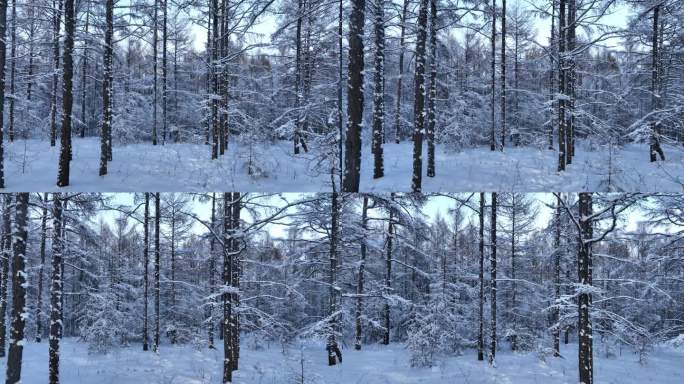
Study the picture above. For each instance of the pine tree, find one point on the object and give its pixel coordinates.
(13, 70)
(556, 278)
(6, 251)
(480, 336)
(19, 315)
(492, 261)
(419, 99)
(67, 97)
(359, 284)
(212, 270)
(379, 90)
(157, 272)
(56, 286)
(3, 58)
(387, 289)
(397, 110)
(655, 148)
(432, 92)
(334, 352)
(105, 134)
(56, 25)
(492, 138)
(41, 273)
(503, 74)
(146, 261)
(352, 153)
(584, 300)
(155, 58)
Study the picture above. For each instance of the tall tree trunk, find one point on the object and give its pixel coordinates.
(56, 24)
(432, 90)
(173, 331)
(584, 299)
(215, 80)
(334, 353)
(492, 260)
(13, 66)
(237, 270)
(419, 99)
(84, 72)
(155, 43)
(492, 138)
(67, 98)
(3, 49)
(164, 71)
(340, 74)
(146, 261)
(362, 268)
(556, 280)
(107, 88)
(157, 266)
(6, 248)
(352, 153)
(503, 74)
(231, 212)
(298, 136)
(552, 72)
(379, 90)
(570, 82)
(43, 237)
(388, 276)
(212, 270)
(19, 283)
(56, 287)
(561, 86)
(480, 336)
(397, 111)
(655, 148)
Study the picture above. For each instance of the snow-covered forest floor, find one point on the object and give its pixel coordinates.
(32, 165)
(528, 169)
(375, 364)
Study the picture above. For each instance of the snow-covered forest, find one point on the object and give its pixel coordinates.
(340, 288)
(378, 95)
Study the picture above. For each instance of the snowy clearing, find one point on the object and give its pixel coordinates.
(374, 364)
(32, 165)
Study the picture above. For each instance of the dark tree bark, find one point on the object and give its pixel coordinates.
(13, 66)
(155, 55)
(340, 74)
(379, 90)
(584, 299)
(164, 72)
(480, 337)
(3, 58)
(562, 156)
(43, 236)
(84, 72)
(556, 280)
(492, 260)
(397, 111)
(388, 276)
(16, 342)
(231, 250)
(56, 287)
(352, 153)
(68, 96)
(157, 266)
(105, 134)
(570, 82)
(419, 99)
(146, 261)
(492, 138)
(654, 145)
(362, 268)
(215, 81)
(212, 278)
(552, 73)
(56, 24)
(432, 92)
(503, 74)
(333, 349)
(6, 248)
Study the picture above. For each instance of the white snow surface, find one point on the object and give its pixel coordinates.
(32, 165)
(375, 364)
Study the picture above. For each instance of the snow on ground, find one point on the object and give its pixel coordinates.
(32, 165)
(375, 364)
(528, 169)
